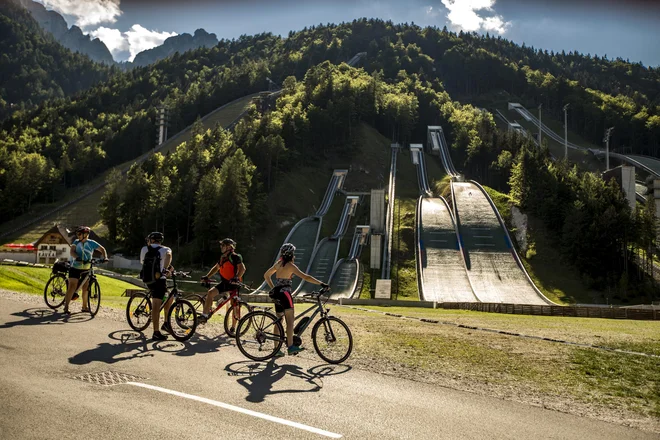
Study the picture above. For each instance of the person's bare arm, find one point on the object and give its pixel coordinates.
(72, 251)
(103, 252)
(268, 276)
(304, 276)
(241, 271)
(212, 272)
(167, 262)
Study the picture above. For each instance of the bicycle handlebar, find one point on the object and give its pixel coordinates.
(181, 274)
(316, 294)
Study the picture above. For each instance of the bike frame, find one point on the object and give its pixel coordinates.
(318, 308)
(173, 293)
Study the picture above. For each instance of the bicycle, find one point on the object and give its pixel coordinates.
(237, 309)
(56, 287)
(181, 317)
(332, 338)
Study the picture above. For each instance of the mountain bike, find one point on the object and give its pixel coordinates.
(260, 334)
(181, 317)
(238, 308)
(55, 290)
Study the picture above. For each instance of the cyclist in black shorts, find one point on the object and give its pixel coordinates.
(284, 270)
(154, 253)
(230, 267)
(81, 251)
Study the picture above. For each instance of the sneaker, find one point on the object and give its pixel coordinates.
(202, 318)
(75, 297)
(166, 328)
(232, 331)
(279, 354)
(66, 312)
(158, 336)
(294, 349)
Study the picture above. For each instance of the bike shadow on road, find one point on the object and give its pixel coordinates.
(260, 378)
(130, 345)
(41, 316)
(199, 344)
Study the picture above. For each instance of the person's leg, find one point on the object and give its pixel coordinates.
(85, 291)
(289, 316)
(73, 285)
(155, 313)
(166, 310)
(208, 302)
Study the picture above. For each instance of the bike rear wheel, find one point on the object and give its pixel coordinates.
(55, 290)
(197, 301)
(182, 320)
(234, 315)
(332, 340)
(138, 312)
(259, 335)
(94, 297)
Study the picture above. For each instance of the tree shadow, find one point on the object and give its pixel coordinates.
(41, 316)
(131, 345)
(258, 378)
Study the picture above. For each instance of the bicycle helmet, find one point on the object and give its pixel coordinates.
(83, 230)
(287, 250)
(228, 242)
(156, 236)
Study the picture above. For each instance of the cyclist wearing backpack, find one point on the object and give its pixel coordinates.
(156, 262)
(81, 251)
(230, 267)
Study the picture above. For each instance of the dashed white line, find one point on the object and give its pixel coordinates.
(239, 410)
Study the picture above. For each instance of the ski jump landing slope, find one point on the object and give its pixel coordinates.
(494, 269)
(326, 252)
(440, 268)
(305, 234)
(345, 274)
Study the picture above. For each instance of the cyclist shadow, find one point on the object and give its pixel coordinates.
(40, 316)
(131, 345)
(259, 378)
(199, 344)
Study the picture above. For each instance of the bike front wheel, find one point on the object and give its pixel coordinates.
(234, 315)
(182, 320)
(332, 340)
(55, 291)
(259, 335)
(138, 312)
(94, 297)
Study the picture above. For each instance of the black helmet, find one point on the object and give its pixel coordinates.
(83, 229)
(156, 236)
(228, 242)
(287, 250)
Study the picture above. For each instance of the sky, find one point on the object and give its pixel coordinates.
(627, 29)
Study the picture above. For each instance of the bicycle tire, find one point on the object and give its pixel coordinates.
(55, 290)
(94, 297)
(332, 335)
(258, 335)
(243, 309)
(182, 319)
(138, 312)
(197, 301)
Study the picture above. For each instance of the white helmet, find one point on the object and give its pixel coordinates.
(287, 250)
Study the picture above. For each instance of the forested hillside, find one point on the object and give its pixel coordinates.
(218, 182)
(34, 67)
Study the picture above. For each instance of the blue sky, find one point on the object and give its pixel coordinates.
(627, 29)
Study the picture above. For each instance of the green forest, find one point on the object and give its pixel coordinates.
(60, 137)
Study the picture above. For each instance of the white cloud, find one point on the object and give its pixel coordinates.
(134, 41)
(86, 12)
(140, 38)
(464, 14)
(115, 41)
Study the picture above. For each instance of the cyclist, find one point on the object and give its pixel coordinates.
(284, 270)
(156, 262)
(231, 269)
(81, 251)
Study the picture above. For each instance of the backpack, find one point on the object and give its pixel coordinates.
(150, 272)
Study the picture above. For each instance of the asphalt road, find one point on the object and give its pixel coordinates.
(205, 389)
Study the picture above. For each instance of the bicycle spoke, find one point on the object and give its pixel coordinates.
(332, 340)
(259, 335)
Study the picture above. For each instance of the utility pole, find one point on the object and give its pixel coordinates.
(608, 134)
(540, 105)
(566, 131)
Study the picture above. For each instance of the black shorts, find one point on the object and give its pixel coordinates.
(225, 286)
(78, 274)
(158, 288)
(281, 296)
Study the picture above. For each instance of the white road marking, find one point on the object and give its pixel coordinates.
(238, 409)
